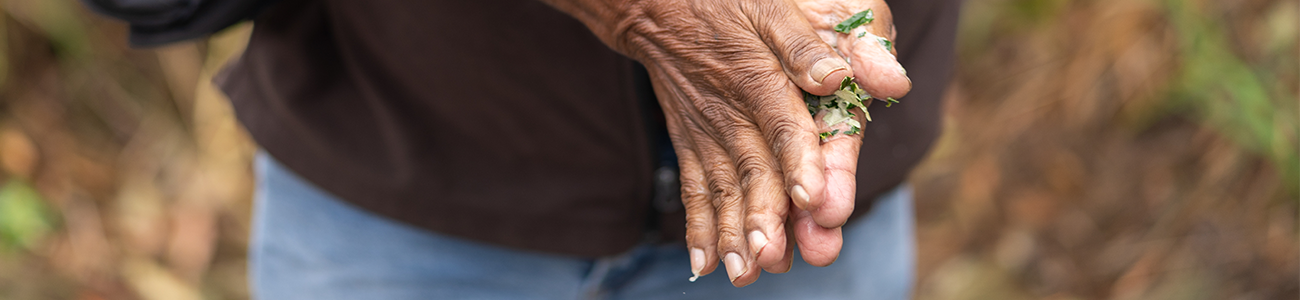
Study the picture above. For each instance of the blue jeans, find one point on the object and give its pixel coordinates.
(307, 244)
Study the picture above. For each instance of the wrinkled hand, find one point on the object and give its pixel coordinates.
(728, 75)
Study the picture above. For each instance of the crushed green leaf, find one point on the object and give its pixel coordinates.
(838, 108)
(889, 46)
(858, 19)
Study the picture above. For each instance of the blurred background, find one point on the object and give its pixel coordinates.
(1102, 149)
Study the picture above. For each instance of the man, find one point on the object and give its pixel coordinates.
(500, 149)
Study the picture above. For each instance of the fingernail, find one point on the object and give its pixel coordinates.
(697, 262)
(735, 265)
(800, 196)
(757, 240)
(826, 66)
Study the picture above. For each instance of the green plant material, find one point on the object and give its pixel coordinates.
(889, 46)
(24, 219)
(838, 107)
(856, 20)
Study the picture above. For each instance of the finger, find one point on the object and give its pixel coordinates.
(776, 106)
(871, 54)
(841, 184)
(773, 255)
(745, 162)
(787, 260)
(767, 98)
(701, 229)
(766, 203)
(818, 245)
(722, 122)
(818, 232)
(728, 201)
(806, 59)
(841, 155)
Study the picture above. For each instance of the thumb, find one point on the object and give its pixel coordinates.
(810, 63)
(871, 50)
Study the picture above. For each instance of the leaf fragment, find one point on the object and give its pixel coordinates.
(837, 108)
(858, 19)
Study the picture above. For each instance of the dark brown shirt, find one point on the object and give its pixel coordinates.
(504, 121)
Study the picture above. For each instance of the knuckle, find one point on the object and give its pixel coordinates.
(803, 50)
(694, 196)
(695, 202)
(696, 226)
(763, 92)
(762, 76)
(725, 195)
(692, 191)
(763, 213)
(781, 128)
(753, 168)
(729, 234)
(785, 136)
(722, 117)
(720, 178)
(789, 41)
